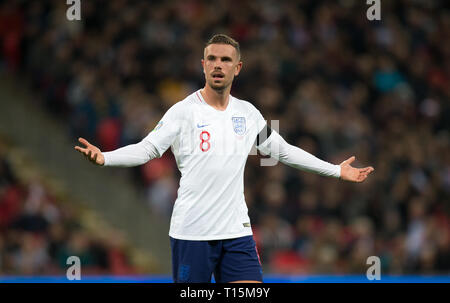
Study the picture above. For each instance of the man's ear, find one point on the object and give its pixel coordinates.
(203, 65)
(238, 69)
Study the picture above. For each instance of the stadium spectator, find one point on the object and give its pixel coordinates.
(38, 232)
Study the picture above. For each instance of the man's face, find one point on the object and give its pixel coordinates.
(220, 65)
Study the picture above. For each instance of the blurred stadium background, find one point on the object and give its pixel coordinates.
(339, 84)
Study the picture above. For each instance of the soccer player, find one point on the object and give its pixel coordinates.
(211, 134)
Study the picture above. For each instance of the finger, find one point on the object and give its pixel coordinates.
(94, 159)
(350, 160)
(89, 154)
(364, 176)
(84, 141)
(368, 169)
(80, 149)
(365, 170)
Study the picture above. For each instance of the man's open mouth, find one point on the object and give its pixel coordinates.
(218, 76)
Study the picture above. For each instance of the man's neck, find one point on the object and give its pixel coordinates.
(216, 98)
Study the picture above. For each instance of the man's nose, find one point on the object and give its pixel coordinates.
(217, 64)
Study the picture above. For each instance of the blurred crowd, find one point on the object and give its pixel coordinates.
(340, 85)
(39, 232)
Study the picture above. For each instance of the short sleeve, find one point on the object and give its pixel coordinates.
(166, 131)
(259, 120)
(262, 132)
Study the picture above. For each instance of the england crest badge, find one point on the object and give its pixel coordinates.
(239, 125)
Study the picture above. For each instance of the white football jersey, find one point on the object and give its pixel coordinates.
(211, 148)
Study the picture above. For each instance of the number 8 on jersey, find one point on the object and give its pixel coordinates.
(204, 141)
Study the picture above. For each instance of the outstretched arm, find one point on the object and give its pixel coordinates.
(152, 146)
(279, 149)
(127, 156)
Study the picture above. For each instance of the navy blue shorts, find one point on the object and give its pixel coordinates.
(229, 260)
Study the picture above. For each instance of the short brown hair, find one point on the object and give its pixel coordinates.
(224, 39)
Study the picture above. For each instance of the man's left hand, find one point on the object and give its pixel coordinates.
(354, 174)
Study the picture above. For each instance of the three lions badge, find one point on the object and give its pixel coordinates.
(239, 125)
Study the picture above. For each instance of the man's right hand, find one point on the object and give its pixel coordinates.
(91, 152)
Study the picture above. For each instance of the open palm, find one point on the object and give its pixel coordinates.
(354, 174)
(91, 152)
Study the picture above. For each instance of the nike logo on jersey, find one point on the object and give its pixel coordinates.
(201, 125)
